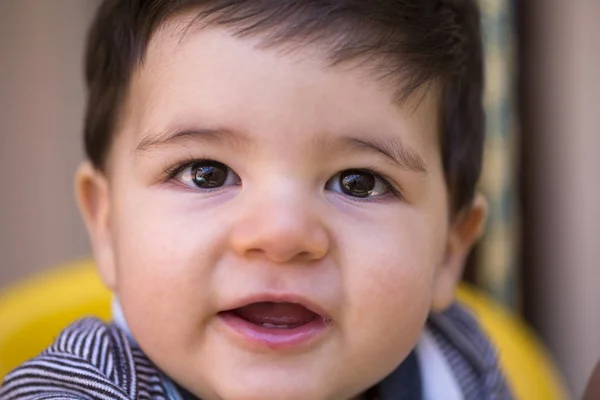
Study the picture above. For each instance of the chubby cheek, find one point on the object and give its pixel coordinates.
(165, 255)
(389, 284)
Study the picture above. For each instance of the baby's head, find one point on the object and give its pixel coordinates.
(280, 192)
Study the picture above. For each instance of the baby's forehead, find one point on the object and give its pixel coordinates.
(181, 36)
(340, 43)
(223, 80)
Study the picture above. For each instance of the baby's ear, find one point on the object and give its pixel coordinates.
(93, 198)
(465, 229)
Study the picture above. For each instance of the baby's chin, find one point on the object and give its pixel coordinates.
(233, 379)
(288, 389)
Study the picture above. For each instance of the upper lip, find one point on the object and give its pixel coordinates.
(278, 298)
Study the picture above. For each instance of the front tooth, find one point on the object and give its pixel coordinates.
(273, 326)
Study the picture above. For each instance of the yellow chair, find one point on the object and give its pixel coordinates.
(33, 312)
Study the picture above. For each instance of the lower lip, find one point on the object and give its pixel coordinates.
(260, 338)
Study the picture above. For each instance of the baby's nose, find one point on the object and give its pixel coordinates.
(281, 230)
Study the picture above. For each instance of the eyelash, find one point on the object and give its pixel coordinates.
(171, 172)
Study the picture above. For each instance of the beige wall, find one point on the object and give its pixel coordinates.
(41, 107)
(564, 81)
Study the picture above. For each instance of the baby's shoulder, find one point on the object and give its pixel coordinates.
(470, 353)
(89, 359)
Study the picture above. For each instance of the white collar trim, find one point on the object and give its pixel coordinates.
(436, 374)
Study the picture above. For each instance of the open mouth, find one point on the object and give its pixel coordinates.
(275, 325)
(272, 315)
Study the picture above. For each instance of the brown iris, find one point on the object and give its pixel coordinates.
(357, 183)
(209, 175)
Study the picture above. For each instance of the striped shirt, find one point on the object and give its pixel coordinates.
(94, 360)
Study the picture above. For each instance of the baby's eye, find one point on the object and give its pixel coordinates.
(359, 183)
(207, 175)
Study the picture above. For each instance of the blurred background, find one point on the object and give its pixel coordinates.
(541, 254)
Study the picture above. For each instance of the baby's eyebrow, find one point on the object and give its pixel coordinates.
(391, 147)
(213, 135)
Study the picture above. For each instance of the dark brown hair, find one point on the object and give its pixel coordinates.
(407, 43)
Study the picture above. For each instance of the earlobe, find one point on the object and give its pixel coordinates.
(465, 229)
(93, 198)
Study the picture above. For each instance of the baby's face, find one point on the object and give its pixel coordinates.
(275, 228)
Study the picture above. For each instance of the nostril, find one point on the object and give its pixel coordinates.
(280, 255)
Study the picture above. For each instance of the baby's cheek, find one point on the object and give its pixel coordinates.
(389, 291)
(388, 309)
(163, 288)
(396, 294)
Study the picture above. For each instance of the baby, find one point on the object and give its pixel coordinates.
(281, 195)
